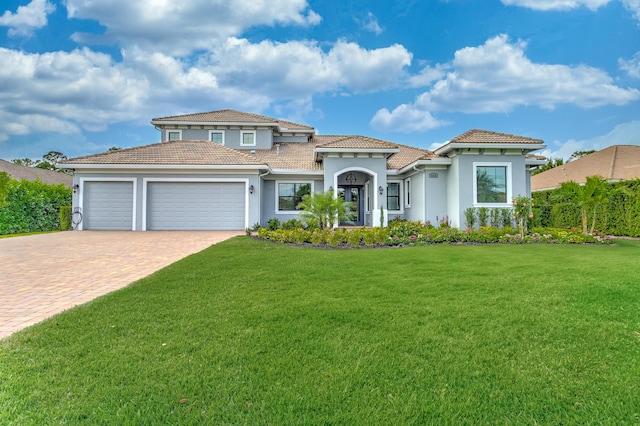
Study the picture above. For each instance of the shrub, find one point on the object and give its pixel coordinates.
(292, 224)
(470, 217)
(32, 206)
(483, 215)
(496, 218)
(507, 217)
(273, 224)
(65, 218)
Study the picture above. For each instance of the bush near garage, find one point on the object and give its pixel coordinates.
(32, 206)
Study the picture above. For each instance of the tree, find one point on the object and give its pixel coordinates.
(552, 163)
(27, 162)
(587, 198)
(323, 210)
(580, 154)
(48, 162)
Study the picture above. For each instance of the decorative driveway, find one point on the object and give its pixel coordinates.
(42, 275)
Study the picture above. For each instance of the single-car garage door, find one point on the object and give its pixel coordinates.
(195, 205)
(108, 206)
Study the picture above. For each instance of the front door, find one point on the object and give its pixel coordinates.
(353, 194)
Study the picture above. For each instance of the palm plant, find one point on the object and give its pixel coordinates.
(323, 210)
(587, 198)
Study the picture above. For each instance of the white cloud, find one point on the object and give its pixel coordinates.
(427, 76)
(406, 119)
(622, 134)
(87, 90)
(498, 77)
(557, 4)
(27, 18)
(370, 23)
(545, 5)
(302, 68)
(180, 28)
(631, 66)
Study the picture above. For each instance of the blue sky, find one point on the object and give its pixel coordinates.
(81, 76)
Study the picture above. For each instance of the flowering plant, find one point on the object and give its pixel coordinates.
(523, 212)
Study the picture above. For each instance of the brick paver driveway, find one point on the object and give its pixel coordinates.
(41, 275)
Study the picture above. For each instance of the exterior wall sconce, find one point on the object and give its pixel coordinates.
(75, 188)
(251, 188)
(331, 188)
(380, 189)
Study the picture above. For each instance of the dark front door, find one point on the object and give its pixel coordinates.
(353, 194)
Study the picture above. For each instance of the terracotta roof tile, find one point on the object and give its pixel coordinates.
(231, 116)
(172, 153)
(358, 142)
(617, 162)
(485, 136)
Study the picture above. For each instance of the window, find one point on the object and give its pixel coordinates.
(290, 194)
(174, 135)
(247, 138)
(216, 136)
(492, 183)
(367, 197)
(393, 196)
(407, 192)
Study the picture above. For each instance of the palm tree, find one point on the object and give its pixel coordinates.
(323, 210)
(587, 198)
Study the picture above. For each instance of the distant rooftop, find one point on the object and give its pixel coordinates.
(50, 177)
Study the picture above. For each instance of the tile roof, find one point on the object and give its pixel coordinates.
(18, 172)
(485, 136)
(172, 153)
(358, 142)
(617, 162)
(301, 156)
(231, 116)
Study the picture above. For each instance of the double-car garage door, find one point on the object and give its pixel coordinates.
(168, 205)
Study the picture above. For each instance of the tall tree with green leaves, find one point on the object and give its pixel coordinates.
(323, 210)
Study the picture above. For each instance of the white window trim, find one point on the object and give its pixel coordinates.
(243, 132)
(400, 194)
(278, 182)
(211, 132)
(178, 131)
(475, 185)
(407, 192)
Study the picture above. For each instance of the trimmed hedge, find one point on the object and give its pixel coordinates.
(32, 206)
(65, 218)
(619, 216)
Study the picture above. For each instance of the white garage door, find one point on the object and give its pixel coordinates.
(195, 205)
(108, 206)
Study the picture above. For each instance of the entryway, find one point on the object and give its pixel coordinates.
(353, 194)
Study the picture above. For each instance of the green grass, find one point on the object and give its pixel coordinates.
(249, 332)
(26, 234)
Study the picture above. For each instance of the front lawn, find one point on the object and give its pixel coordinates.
(251, 332)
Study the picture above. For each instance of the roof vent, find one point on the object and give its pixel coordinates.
(277, 148)
(253, 152)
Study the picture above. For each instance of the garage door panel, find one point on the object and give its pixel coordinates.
(108, 206)
(195, 205)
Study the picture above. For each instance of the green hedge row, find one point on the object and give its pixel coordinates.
(32, 206)
(619, 216)
(401, 232)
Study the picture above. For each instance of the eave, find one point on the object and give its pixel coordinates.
(452, 146)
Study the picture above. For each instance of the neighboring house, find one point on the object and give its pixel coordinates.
(18, 172)
(230, 170)
(616, 163)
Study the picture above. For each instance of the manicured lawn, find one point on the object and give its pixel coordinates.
(249, 332)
